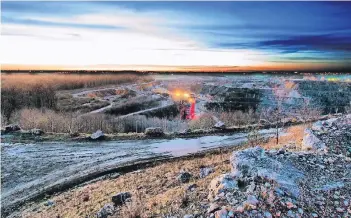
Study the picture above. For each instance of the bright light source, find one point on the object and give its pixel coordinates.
(186, 95)
(177, 94)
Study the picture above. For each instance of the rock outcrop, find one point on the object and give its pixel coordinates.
(254, 162)
(312, 142)
(271, 183)
(98, 135)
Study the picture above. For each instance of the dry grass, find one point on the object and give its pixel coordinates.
(292, 138)
(205, 121)
(239, 118)
(155, 191)
(63, 81)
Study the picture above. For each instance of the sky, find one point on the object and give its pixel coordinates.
(176, 35)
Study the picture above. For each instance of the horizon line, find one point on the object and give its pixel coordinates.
(163, 68)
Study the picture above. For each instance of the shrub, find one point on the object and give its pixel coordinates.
(205, 121)
(238, 118)
(24, 90)
(37, 96)
(51, 121)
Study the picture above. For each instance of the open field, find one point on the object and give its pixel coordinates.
(63, 81)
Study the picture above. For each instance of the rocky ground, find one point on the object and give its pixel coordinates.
(314, 183)
(309, 180)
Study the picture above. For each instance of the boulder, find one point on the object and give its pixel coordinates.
(223, 183)
(311, 142)
(205, 171)
(184, 177)
(36, 132)
(49, 203)
(251, 200)
(154, 131)
(185, 131)
(318, 127)
(12, 128)
(74, 134)
(330, 122)
(219, 125)
(192, 187)
(213, 208)
(254, 162)
(120, 198)
(105, 211)
(98, 135)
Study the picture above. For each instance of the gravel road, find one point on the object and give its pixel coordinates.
(31, 169)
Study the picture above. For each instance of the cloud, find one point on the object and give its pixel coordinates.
(61, 46)
(58, 23)
(316, 42)
(174, 33)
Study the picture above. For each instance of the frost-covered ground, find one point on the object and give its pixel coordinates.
(30, 169)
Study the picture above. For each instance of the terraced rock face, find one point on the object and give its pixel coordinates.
(289, 184)
(330, 96)
(327, 97)
(230, 98)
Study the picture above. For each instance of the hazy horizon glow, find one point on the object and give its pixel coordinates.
(176, 35)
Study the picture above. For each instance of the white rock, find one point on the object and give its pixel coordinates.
(219, 125)
(253, 162)
(97, 135)
(154, 131)
(252, 200)
(311, 142)
(223, 183)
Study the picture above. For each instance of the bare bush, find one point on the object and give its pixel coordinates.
(51, 121)
(348, 109)
(134, 208)
(37, 96)
(139, 123)
(204, 121)
(10, 101)
(238, 118)
(254, 138)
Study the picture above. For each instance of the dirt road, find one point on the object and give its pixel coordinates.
(29, 170)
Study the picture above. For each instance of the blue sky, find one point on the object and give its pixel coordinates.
(245, 35)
